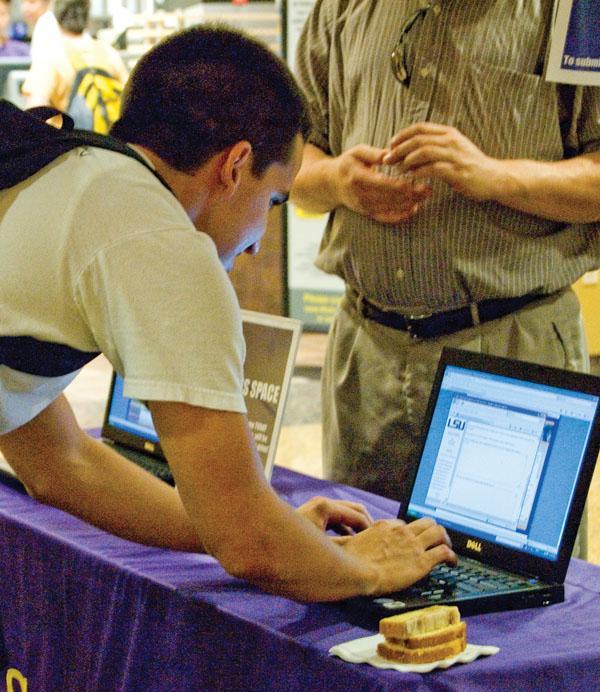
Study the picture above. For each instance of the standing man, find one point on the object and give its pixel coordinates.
(463, 194)
(52, 77)
(42, 24)
(9, 48)
(106, 253)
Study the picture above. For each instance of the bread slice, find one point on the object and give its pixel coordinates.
(420, 621)
(428, 654)
(441, 636)
(423, 636)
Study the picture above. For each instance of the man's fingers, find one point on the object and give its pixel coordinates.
(402, 553)
(327, 513)
(420, 525)
(389, 184)
(354, 505)
(350, 515)
(368, 191)
(428, 155)
(367, 154)
(416, 130)
(343, 530)
(439, 554)
(430, 533)
(435, 535)
(394, 218)
(393, 200)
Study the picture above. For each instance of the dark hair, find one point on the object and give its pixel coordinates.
(72, 15)
(203, 89)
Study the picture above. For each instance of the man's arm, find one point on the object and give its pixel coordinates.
(40, 83)
(62, 466)
(354, 180)
(228, 507)
(258, 537)
(566, 190)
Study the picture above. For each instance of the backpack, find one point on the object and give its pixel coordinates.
(95, 97)
(28, 144)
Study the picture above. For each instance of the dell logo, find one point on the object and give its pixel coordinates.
(473, 545)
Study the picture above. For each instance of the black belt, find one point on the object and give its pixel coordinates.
(429, 326)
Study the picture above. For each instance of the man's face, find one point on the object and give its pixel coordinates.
(32, 10)
(236, 225)
(4, 18)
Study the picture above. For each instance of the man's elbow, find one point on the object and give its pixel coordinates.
(40, 487)
(54, 485)
(250, 563)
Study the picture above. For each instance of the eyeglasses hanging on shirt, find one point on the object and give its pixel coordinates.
(400, 59)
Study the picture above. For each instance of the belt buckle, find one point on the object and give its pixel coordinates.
(416, 318)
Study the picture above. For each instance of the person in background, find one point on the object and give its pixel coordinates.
(51, 78)
(131, 260)
(42, 24)
(463, 194)
(9, 48)
(121, 18)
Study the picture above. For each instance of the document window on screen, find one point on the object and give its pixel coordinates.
(490, 462)
(501, 458)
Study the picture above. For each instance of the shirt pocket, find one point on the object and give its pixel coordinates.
(509, 114)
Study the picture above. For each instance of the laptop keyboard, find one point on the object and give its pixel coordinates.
(157, 468)
(446, 582)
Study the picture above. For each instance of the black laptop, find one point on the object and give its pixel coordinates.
(128, 427)
(505, 466)
(271, 348)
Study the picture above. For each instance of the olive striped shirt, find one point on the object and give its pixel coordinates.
(475, 65)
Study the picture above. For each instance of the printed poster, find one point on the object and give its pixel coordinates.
(574, 52)
(271, 348)
(313, 296)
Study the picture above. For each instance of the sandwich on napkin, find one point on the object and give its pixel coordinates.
(423, 636)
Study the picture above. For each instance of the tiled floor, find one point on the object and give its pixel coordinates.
(300, 441)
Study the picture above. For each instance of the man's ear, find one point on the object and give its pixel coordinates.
(236, 162)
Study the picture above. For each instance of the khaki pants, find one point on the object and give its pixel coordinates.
(377, 380)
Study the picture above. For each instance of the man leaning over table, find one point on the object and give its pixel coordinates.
(463, 194)
(100, 256)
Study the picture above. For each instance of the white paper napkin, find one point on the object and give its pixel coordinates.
(364, 650)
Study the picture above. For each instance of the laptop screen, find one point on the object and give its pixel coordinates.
(130, 415)
(502, 457)
(271, 347)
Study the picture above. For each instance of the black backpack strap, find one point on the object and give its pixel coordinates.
(44, 113)
(28, 143)
(42, 358)
(85, 138)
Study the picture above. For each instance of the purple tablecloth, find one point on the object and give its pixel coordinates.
(83, 610)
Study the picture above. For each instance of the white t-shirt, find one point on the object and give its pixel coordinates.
(45, 36)
(98, 255)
